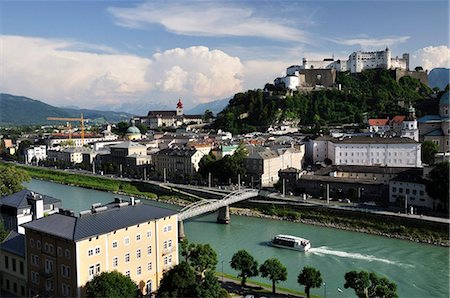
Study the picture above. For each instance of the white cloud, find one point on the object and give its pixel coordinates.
(60, 73)
(49, 69)
(369, 43)
(431, 57)
(196, 72)
(206, 19)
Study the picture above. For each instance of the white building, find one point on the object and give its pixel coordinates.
(263, 166)
(177, 161)
(78, 142)
(317, 149)
(413, 188)
(357, 62)
(375, 151)
(25, 206)
(71, 154)
(36, 153)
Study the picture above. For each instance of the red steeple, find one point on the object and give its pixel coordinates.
(179, 104)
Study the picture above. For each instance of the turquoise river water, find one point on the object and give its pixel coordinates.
(420, 270)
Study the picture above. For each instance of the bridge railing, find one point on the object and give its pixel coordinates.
(205, 206)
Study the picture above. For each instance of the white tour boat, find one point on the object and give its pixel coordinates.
(291, 242)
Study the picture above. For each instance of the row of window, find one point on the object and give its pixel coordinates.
(14, 265)
(49, 248)
(376, 161)
(65, 270)
(407, 191)
(14, 288)
(364, 153)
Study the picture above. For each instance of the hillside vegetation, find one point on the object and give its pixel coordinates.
(374, 93)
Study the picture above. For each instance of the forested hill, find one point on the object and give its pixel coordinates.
(374, 92)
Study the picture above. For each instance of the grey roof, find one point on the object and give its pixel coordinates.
(411, 176)
(267, 153)
(127, 144)
(93, 224)
(435, 133)
(374, 140)
(162, 113)
(176, 152)
(14, 243)
(20, 199)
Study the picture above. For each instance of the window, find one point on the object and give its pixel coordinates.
(90, 252)
(138, 237)
(127, 257)
(138, 270)
(127, 240)
(34, 277)
(400, 190)
(7, 262)
(414, 192)
(35, 260)
(59, 251)
(65, 290)
(114, 244)
(48, 266)
(91, 270)
(168, 260)
(65, 271)
(97, 250)
(407, 191)
(138, 254)
(51, 249)
(38, 244)
(167, 228)
(149, 234)
(115, 262)
(49, 284)
(21, 267)
(169, 243)
(394, 189)
(14, 268)
(97, 268)
(421, 192)
(149, 266)
(149, 250)
(67, 253)
(32, 242)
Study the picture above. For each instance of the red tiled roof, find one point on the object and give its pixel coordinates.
(378, 122)
(398, 119)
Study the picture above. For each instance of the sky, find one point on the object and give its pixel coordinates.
(133, 55)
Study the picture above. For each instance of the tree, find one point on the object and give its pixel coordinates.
(438, 185)
(142, 128)
(310, 278)
(208, 115)
(179, 281)
(11, 179)
(112, 284)
(429, 149)
(274, 270)
(245, 263)
(369, 285)
(202, 257)
(3, 232)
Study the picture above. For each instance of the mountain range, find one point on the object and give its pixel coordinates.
(20, 110)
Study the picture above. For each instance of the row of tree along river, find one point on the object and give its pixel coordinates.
(420, 270)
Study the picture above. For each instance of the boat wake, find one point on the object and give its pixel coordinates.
(324, 250)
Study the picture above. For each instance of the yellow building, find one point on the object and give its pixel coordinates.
(64, 252)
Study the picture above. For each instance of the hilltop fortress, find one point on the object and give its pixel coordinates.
(322, 73)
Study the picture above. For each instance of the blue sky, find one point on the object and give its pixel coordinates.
(123, 54)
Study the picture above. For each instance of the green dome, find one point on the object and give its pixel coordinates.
(133, 130)
(444, 99)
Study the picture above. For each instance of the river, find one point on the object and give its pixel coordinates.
(420, 270)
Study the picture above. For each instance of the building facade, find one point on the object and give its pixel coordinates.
(13, 269)
(177, 161)
(263, 166)
(375, 151)
(65, 252)
(35, 154)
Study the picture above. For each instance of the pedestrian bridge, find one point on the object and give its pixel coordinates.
(206, 206)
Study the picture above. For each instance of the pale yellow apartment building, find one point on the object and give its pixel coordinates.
(64, 251)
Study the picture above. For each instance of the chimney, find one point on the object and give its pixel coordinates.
(37, 205)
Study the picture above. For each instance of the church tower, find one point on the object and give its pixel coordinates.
(179, 108)
(410, 129)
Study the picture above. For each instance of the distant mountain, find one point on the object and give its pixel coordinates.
(214, 106)
(139, 108)
(20, 110)
(439, 77)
